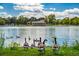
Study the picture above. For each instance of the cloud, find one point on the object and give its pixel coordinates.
(66, 13)
(1, 7)
(59, 15)
(72, 11)
(5, 15)
(30, 7)
(31, 14)
(52, 9)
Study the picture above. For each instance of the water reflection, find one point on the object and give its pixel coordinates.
(68, 34)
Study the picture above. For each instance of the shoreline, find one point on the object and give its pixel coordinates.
(44, 26)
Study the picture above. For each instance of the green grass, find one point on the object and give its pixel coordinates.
(67, 51)
(14, 49)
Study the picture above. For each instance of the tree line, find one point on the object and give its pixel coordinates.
(50, 20)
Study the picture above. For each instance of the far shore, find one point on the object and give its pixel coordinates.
(39, 26)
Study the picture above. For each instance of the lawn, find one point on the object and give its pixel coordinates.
(63, 51)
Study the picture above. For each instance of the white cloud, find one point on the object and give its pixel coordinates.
(59, 15)
(5, 15)
(1, 7)
(72, 11)
(31, 14)
(53, 9)
(66, 13)
(69, 13)
(29, 6)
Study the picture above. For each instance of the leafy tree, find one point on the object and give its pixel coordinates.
(2, 21)
(51, 19)
(22, 20)
(74, 21)
(32, 19)
(65, 21)
(46, 20)
(11, 20)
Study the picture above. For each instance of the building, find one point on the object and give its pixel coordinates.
(37, 22)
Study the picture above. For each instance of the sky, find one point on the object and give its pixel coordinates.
(61, 10)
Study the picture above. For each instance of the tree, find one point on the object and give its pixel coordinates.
(65, 21)
(11, 20)
(74, 21)
(46, 19)
(58, 21)
(22, 20)
(32, 19)
(51, 19)
(2, 21)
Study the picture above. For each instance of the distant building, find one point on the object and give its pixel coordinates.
(37, 22)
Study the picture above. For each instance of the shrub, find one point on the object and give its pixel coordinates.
(14, 45)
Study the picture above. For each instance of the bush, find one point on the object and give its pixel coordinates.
(2, 22)
(14, 45)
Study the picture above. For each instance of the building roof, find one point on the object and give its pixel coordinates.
(41, 21)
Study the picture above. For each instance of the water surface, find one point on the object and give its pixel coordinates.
(63, 33)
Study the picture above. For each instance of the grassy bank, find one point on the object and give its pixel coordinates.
(63, 51)
(14, 49)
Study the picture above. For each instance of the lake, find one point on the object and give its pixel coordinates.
(17, 34)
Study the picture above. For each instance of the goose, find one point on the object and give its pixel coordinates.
(55, 47)
(26, 45)
(55, 43)
(41, 45)
(29, 38)
(33, 44)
